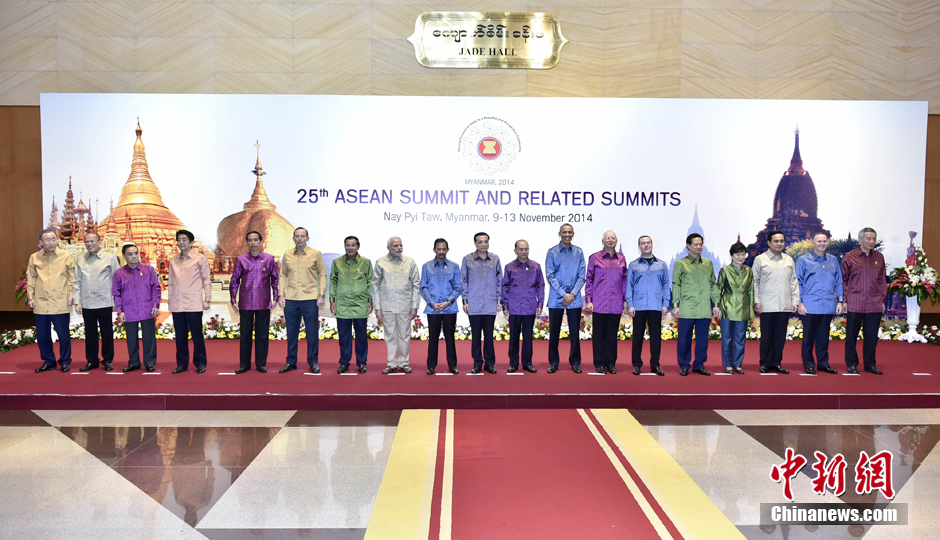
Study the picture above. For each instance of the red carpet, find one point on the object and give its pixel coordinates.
(898, 388)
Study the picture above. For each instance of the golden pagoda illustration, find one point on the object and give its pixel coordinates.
(141, 216)
(258, 214)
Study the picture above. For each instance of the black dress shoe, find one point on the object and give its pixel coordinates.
(489, 369)
(315, 368)
(683, 372)
(201, 369)
(530, 369)
(780, 369)
(44, 367)
(107, 366)
(263, 369)
(179, 369)
(636, 370)
(362, 368)
(764, 369)
(67, 368)
(853, 371)
(150, 369)
(702, 371)
(602, 369)
(828, 369)
(874, 370)
(611, 370)
(658, 371)
(241, 370)
(512, 370)
(288, 367)
(128, 369)
(454, 371)
(811, 371)
(475, 371)
(552, 368)
(88, 367)
(576, 369)
(342, 369)
(430, 371)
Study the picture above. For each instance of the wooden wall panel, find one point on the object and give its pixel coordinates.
(931, 236)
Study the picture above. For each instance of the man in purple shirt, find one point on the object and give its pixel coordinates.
(253, 281)
(523, 298)
(481, 276)
(865, 286)
(136, 292)
(605, 292)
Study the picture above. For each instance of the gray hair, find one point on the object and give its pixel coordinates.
(389, 243)
(516, 245)
(47, 231)
(604, 236)
(861, 233)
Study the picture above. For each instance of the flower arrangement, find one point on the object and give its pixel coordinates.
(916, 279)
(20, 289)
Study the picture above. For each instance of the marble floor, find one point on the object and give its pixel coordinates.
(319, 474)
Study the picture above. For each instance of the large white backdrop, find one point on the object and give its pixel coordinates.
(721, 157)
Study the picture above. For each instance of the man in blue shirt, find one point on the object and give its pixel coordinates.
(648, 295)
(440, 287)
(820, 279)
(565, 269)
(481, 279)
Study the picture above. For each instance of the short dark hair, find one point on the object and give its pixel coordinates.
(516, 245)
(738, 247)
(127, 247)
(480, 234)
(771, 234)
(254, 232)
(47, 231)
(93, 233)
(305, 230)
(642, 237)
(817, 234)
(348, 238)
(439, 241)
(693, 236)
(187, 234)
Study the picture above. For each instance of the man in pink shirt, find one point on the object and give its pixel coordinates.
(189, 289)
(136, 292)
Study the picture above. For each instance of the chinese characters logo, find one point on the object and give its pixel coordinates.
(871, 473)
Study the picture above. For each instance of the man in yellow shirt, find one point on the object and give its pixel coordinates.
(302, 291)
(49, 291)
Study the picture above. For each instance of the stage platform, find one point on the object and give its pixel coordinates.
(911, 380)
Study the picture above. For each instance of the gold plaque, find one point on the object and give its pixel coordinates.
(461, 39)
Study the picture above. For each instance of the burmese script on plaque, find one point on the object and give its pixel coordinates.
(449, 39)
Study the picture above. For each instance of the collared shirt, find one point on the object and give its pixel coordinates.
(91, 286)
(564, 271)
(351, 286)
(189, 286)
(481, 281)
(648, 284)
(440, 282)
(736, 289)
(253, 281)
(694, 288)
(820, 280)
(395, 284)
(865, 281)
(775, 285)
(303, 275)
(523, 287)
(136, 292)
(606, 283)
(49, 281)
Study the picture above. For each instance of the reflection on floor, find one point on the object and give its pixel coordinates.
(317, 474)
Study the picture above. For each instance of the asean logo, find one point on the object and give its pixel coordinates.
(489, 148)
(489, 145)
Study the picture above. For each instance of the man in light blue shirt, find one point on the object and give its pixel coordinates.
(565, 269)
(440, 288)
(648, 295)
(820, 279)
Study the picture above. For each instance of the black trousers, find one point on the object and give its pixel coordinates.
(653, 319)
(482, 325)
(435, 323)
(816, 335)
(257, 320)
(520, 324)
(148, 330)
(184, 323)
(555, 316)
(604, 339)
(100, 319)
(869, 323)
(344, 328)
(773, 336)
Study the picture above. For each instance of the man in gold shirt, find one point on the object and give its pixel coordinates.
(302, 291)
(49, 291)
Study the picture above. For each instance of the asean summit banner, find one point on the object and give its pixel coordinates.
(515, 168)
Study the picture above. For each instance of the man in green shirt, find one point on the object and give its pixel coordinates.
(694, 290)
(351, 303)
